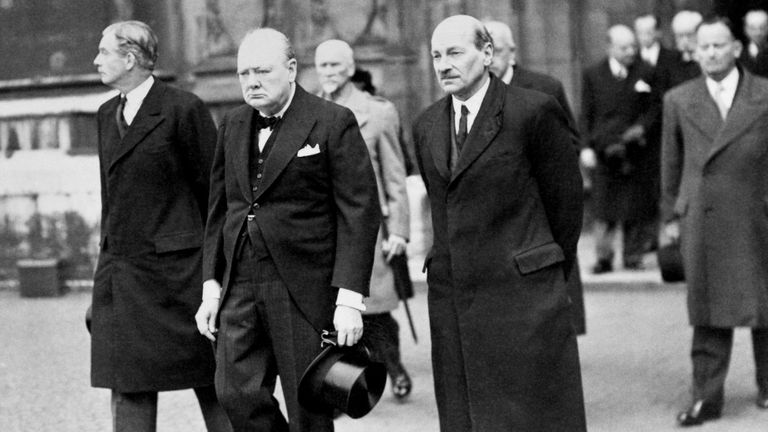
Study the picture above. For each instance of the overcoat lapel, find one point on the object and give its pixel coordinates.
(487, 124)
(241, 140)
(291, 136)
(146, 120)
(703, 113)
(359, 106)
(440, 138)
(748, 106)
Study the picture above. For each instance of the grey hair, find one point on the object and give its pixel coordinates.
(137, 38)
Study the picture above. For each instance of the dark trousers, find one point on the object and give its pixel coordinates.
(137, 412)
(262, 334)
(711, 354)
(382, 335)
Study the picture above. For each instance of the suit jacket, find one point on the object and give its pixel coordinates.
(319, 214)
(671, 70)
(506, 222)
(380, 127)
(609, 107)
(757, 65)
(154, 191)
(713, 181)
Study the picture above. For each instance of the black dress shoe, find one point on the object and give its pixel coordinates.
(602, 266)
(699, 412)
(762, 399)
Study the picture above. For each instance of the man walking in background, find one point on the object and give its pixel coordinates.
(155, 149)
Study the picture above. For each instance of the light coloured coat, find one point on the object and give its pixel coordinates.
(714, 182)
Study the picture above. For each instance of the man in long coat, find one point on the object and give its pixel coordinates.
(714, 201)
(621, 116)
(380, 126)
(505, 191)
(155, 148)
(505, 66)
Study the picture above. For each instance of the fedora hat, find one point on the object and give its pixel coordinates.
(344, 378)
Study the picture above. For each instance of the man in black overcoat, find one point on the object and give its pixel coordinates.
(621, 125)
(292, 224)
(155, 149)
(505, 191)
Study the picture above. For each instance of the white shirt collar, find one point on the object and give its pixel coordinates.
(616, 67)
(134, 99)
(507, 78)
(729, 85)
(472, 104)
(265, 133)
(753, 49)
(651, 54)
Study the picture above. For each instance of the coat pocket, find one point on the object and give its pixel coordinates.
(178, 241)
(539, 257)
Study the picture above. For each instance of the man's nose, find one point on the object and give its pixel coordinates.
(253, 80)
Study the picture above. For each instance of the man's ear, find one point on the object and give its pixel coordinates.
(738, 48)
(130, 61)
(487, 54)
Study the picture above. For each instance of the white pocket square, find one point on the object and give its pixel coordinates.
(308, 150)
(642, 87)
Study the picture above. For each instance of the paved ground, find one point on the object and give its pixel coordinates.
(634, 360)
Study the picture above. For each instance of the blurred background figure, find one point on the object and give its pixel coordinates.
(380, 127)
(754, 56)
(684, 25)
(662, 60)
(621, 117)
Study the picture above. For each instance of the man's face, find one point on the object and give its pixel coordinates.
(685, 39)
(333, 67)
(503, 56)
(110, 63)
(623, 48)
(716, 50)
(756, 28)
(459, 65)
(265, 75)
(645, 30)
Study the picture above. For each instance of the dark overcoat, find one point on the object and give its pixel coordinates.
(506, 222)
(714, 181)
(546, 84)
(609, 107)
(147, 287)
(319, 214)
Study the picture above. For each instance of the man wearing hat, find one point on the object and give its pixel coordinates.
(292, 223)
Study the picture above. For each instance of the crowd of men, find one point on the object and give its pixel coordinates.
(285, 222)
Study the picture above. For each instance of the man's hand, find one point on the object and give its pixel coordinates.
(393, 246)
(206, 318)
(670, 234)
(633, 133)
(588, 158)
(349, 325)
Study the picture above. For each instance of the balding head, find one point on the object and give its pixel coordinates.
(266, 67)
(646, 30)
(684, 25)
(621, 44)
(334, 64)
(756, 26)
(462, 51)
(504, 47)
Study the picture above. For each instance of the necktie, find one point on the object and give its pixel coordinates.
(720, 101)
(122, 125)
(266, 122)
(462, 135)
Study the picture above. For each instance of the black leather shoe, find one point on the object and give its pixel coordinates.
(699, 412)
(602, 266)
(762, 399)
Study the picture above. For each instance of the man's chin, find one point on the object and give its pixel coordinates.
(330, 88)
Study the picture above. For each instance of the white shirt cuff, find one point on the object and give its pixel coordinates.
(351, 299)
(211, 289)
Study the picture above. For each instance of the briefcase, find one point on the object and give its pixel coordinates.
(671, 263)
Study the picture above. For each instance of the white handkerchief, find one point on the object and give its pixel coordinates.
(308, 150)
(642, 87)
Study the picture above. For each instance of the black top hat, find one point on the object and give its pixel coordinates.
(344, 378)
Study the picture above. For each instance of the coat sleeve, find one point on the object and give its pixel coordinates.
(213, 249)
(355, 194)
(197, 134)
(554, 165)
(671, 159)
(392, 168)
